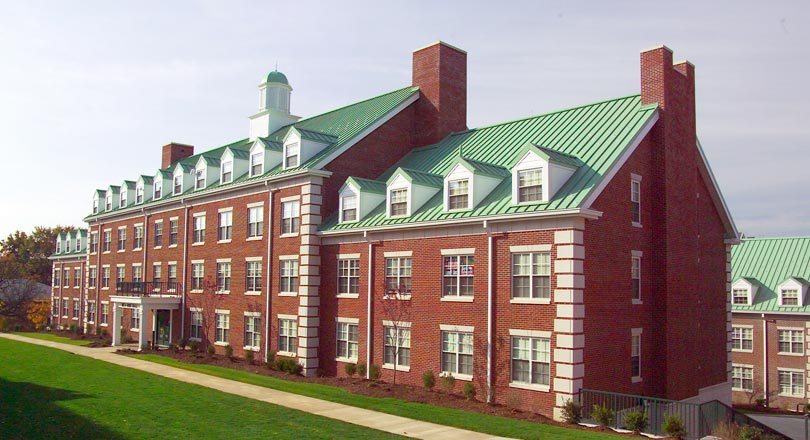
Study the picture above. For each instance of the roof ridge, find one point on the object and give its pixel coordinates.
(414, 88)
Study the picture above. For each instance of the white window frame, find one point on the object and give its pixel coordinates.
(347, 349)
(157, 189)
(397, 338)
(225, 226)
(348, 277)
(538, 170)
(137, 237)
(199, 178)
(224, 276)
(287, 335)
(793, 383)
(139, 194)
(740, 334)
(795, 335)
(407, 201)
(636, 355)
(635, 201)
(543, 251)
(255, 217)
(543, 351)
(457, 351)
(226, 169)
(253, 276)
(177, 184)
(743, 373)
(789, 290)
(196, 324)
(448, 278)
(198, 230)
(355, 209)
(122, 198)
(252, 330)
(222, 329)
(288, 275)
(290, 217)
(740, 293)
(197, 276)
(636, 277)
(105, 313)
(135, 319)
(288, 155)
(256, 160)
(468, 194)
(399, 275)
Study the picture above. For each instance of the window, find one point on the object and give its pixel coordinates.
(58, 247)
(178, 184)
(95, 209)
(287, 335)
(225, 225)
(256, 163)
(122, 203)
(458, 194)
(135, 319)
(530, 185)
(157, 189)
(108, 202)
(636, 277)
(791, 383)
(290, 212)
(398, 275)
(227, 171)
(742, 378)
(57, 277)
(348, 276)
(255, 221)
(635, 201)
(75, 309)
(223, 277)
(349, 209)
(137, 273)
(197, 274)
(635, 355)
(791, 341)
(105, 277)
(173, 232)
(457, 353)
(199, 178)
(458, 275)
(156, 276)
(55, 307)
(196, 324)
(78, 244)
(107, 241)
(119, 275)
(223, 328)
(347, 335)
(253, 336)
(531, 275)
(291, 160)
(289, 276)
(65, 307)
(739, 296)
(138, 237)
(105, 313)
(253, 278)
(91, 277)
(93, 243)
(158, 234)
(138, 194)
(67, 245)
(531, 360)
(199, 229)
(399, 202)
(790, 297)
(397, 346)
(742, 338)
(66, 280)
(77, 277)
(122, 239)
(171, 282)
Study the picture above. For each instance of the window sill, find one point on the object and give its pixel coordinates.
(464, 377)
(347, 360)
(138, 249)
(221, 344)
(636, 379)
(785, 353)
(135, 330)
(253, 293)
(250, 348)
(195, 339)
(636, 224)
(637, 302)
(255, 238)
(399, 367)
(158, 247)
(75, 319)
(106, 252)
(105, 288)
(172, 245)
(530, 301)
(742, 390)
(103, 325)
(195, 291)
(286, 353)
(223, 292)
(347, 295)
(398, 296)
(198, 243)
(288, 294)
(121, 251)
(740, 350)
(530, 386)
(223, 241)
(461, 299)
(801, 396)
(291, 235)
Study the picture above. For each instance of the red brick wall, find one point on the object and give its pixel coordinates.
(440, 71)
(173, 153)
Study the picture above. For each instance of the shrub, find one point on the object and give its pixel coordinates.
(572, 411)
(725, 430)
(194, 346)
(289, 366)
(100, 331)
(228, 351)
(182, 342)
(603, 415)
(77, 329)
(673, 426)
(636, 421)
(351, 369)
(90, 329)
(249, 356)
(448, 383)
(428, 380)
(469, 391)
(270, 358)
(73, 327)
(374, 372)
(747, 432)
(361, 369)
(211, 350)
(104, 332)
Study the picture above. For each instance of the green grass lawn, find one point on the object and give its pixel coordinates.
(51, 394)
(50, 337)
(499, 426)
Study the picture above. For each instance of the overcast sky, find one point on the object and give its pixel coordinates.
(90, 91)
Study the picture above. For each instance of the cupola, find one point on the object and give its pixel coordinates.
(274, 106)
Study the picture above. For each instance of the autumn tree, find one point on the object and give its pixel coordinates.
(396, 308)
(27, 254)
(207, 303)
(38, 312)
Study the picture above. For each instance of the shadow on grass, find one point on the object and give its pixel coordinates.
(29, 411)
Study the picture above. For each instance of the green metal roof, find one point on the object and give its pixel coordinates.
(770, 261)
(479, 167)
(596, 134)
(276, 77)
(367, 185)
(418, 177)
(317, 136)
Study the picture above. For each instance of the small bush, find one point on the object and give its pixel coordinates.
(351, 369)
(361, 369)
(725, 430)
(104, 333)
(270, 358)
(448, 383)
(249, 356)
(747, 432)
(194, 346)
(636, 421)
(182, 342)
(228, 351)
(90, 329)
(572, 411)
(100, 331)
(374, 372)
(72, 328)
(469, 391)
(428, 380)
(603, 415)
(211, 350)
(673, 426)
(289, 366)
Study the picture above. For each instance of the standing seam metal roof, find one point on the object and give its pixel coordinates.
(770, 261)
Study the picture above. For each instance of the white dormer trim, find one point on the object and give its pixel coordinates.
(186, 180)
(750, 289)
(347, 191)
(268, 158)
(292, 154)
(398, 184)
(792, 285)
(366, 201)
(307, 148)
(97, 203)
(210, 174)
(459, 173)
(123, 200)
(226, 167)
(552, 176)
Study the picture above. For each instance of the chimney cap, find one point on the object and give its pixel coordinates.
(440, 42)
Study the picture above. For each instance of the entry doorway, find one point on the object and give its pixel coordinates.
(163, 327)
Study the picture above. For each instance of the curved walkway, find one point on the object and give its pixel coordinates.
(358, 416)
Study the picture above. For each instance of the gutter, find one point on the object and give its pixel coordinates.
(369, 305)
(489, 314)
(271, 193)
(185, 258)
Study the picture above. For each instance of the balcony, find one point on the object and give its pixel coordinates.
(148, 288)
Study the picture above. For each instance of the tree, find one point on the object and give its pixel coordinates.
(16, 296)
(396, 308)
(28, 254)
(38, 312)
(207, 302)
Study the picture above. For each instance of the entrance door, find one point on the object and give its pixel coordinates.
(164, 329)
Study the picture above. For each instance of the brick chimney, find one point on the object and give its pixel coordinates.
(440, 72)
(174, 152)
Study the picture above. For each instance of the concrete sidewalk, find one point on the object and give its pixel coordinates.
(358, 416)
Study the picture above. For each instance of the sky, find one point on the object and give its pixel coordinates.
(91, 90)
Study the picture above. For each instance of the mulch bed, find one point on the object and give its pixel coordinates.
(95, 341)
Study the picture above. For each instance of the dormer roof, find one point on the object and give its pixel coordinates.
(480, 168)
(417, 177)
(208, 160)
(311, 135)
(549, 154)
(128, 185)
(147, 180)
(366, 185)
(237, 153)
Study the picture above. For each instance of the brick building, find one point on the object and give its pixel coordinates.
(386, 232)
(68, 295)
(770, 320)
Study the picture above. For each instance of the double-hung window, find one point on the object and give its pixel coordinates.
(196, 324)
(57, 277)
(290, 213)
(530, 185)
(531, 275)
(399, 202)
(138, 239)
(635, 274)
(173, 231)
(635, 355)
(75, 309)
(199, 229)
(199, 179)
(227, 171)
(531, 360)
(398, 275)
(93, 243)
(255, 221)
(739, 296)
(253, 277)
(256, 164)
(135, 319)
(347, 337)
(65, 307)
(139, 194)
(77, 277)
(178, 184)
(742, 338)
(457, 353)
(791, 341)
(289, 276)
(253, 338)
(137, 273)
(791, 382)
(349, 208)
(55, 307)
(223, 277)
(742, 378)
(158, 234)
(458, 194)
(107, 241)
(108, 202)
(287, 336)
(790, 297)
(120, 274)
(157, 189)
(171, 282)
(197, 274)
(157, 274)
(105, 277)
(225, 225)
(105, 313)
(458, 275)
(92, 274)
(91, 312)
(223, 327)
(122, 239)
(348, 276)
(293, 151)
(122, 199)
(635, 201)
(397, 346)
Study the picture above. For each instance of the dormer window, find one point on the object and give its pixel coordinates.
(95, 206)
(739, 296)
(257, 163)
(199, 181)
(67, 245)
(139, 194)
(399, 202)
(158, 189)
(349, 209)
(123, 202)
(78, 244)
(178, 184)
(789, 296)
(227, 172)
(458, 194)
(530, 185)
(108, 202)
(291, 155)
(58, 246)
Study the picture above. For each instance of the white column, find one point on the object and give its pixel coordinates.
(116, 324)
(309, 278)
(142, 328)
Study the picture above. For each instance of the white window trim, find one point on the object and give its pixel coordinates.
(637, 332)
(530, 248)
(521, 165)
(635, 178)
(453, 252)
(787, 353)
(733, 388)
(354, 321)
(408, 202)
(792, 370)
(469, 177)
(741, 350)
(398, 254)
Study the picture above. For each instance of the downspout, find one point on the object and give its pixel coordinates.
(368, 305)
(489, 314)
(61, 288)
(144, 247)
(765, 358)
(185, 257)
(98, 273)
(269, 265)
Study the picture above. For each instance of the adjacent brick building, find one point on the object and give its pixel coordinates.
(68, 295)
(583, 248)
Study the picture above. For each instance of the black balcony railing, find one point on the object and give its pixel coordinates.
(148, 288)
